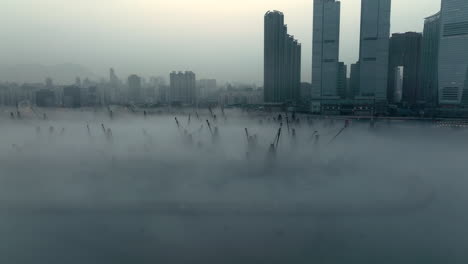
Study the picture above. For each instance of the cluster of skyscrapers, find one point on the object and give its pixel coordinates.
(369, 76)
(411, 69)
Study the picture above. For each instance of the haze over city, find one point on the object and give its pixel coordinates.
(211, 131)
(220, 39)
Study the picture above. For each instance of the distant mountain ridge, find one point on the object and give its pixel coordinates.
(61, 74)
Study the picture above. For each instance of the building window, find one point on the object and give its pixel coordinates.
(450, 93)
(456, 29)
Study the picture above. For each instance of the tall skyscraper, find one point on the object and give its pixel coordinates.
(306, 89)
(405, 50)
(183, 87)
(465, 90)
(354, 79)
(282, 61)
(373, 51)
(341, 86)
(326, 49)
(134, 86)
(396, 95)
(430, 58)
(453, 51)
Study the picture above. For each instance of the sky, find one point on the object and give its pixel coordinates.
(220, 39)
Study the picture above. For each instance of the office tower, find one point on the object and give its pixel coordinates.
(430, 58)
(342, 80)
(396, 93)
(453, 51)
(354, 80)
(134, 88)
(349, 92)
(282, 61)
(465, 90)
(306, 90)
(373, 51)
(292, 71)
(183, 87)
(405, 50)
(325, 53)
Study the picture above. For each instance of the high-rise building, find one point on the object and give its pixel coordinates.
(183, 88)
(306, 89)
(405, 50)
(396, 95)
(373, 51)
(465, 90)
(453, 51)
(282, 61)
(326, 46)
(464, 101)
(354, 80)
(342, 80)
(430, 58)
(134, 86)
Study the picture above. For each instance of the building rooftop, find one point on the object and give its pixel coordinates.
(433, 17)
(274, 12)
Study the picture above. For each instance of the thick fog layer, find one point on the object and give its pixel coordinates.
(172, 186)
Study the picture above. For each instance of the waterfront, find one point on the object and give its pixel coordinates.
(392, 192)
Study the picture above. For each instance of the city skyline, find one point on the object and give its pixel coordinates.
(147, 41)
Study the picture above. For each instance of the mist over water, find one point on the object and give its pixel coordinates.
(154, 192)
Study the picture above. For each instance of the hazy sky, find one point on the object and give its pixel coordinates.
(215, 38)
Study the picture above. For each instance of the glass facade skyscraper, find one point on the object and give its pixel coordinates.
(453, 51)
(374, 49)
(326, 45)
(405, 50)
(430, 58)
